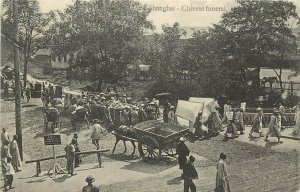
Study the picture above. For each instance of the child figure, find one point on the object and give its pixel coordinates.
(9, 173)
(231, 129)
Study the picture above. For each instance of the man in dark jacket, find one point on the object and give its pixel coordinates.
(183, 152)
(189, 173)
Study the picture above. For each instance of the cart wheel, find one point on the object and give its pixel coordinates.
(149, 149)
(170, 151)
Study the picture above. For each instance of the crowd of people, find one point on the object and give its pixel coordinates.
(113, 108)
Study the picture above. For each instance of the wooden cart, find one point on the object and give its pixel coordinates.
(157, 139)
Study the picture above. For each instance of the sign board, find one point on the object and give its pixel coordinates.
(52, 140)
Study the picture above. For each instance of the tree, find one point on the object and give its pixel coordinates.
(167, 51)
(31, 25)
(260, 30)
(100, 34)
(206, 54)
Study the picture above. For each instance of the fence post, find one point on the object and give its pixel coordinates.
(99, 159)
(38, 168)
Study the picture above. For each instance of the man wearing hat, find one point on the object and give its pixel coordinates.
(189, 173)
(70, 155)
(183, 152)
(90, 187)
(273, 126)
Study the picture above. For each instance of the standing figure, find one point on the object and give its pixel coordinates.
(273, 126)
(183, 152)
(76, 145)
(297, 120)
(240, 121)
(70, 155)
(189, 173)
(15, 154)
(142, 114)
(257, 123)
(67, 102)
(166, 112)
(222, 183)
(227, 109)
(4, 136)
(6, 86)
(28, 94)
(198, 125)
(281, 110)
(97, 131)
(171, 116)
(134, 116)
(4, 155)
(9, 174)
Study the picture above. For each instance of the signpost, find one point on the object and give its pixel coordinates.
(54, 140)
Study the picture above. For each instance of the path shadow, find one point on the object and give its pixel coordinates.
(40, 180)
(175, 181)
(269, 145)
(28, 105)
(62, 178)
(122, 157)
(142, 166)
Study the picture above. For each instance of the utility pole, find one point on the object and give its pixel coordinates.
(17, 79)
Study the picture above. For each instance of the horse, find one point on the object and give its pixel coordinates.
(124, 133)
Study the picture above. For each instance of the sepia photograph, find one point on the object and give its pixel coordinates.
(150, 96)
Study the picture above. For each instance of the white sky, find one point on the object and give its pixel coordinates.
(189, 19)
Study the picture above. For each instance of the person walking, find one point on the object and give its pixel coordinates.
(9, 174)
(97, 131)
(273, 126)
(282, 117)
(28, 94)
(183, 152)
(70, 155)
(189, 173)
(257, 123)
(15, 154)
(240, 121)
(222, 183)
(90, 187)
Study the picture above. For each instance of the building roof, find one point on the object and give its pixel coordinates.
(43, 52)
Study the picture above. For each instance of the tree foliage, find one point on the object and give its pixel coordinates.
(260, 32)
(31, 24)
(101, 34)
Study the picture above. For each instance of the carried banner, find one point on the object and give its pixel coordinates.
(188, 110)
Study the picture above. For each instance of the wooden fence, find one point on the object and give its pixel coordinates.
(38, 161)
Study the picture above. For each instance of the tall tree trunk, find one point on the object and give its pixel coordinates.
(280, 72)
(25, 70)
